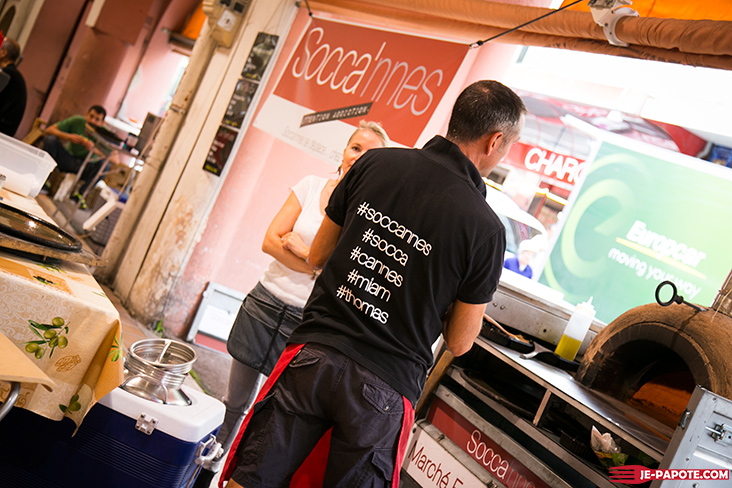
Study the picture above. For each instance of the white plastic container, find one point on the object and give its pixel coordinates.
(576, 330)
(25, 167)
(187, 423)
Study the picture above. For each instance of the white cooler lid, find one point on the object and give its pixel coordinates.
(188, 423)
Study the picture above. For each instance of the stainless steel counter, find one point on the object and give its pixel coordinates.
(469, 409)
(636, 428)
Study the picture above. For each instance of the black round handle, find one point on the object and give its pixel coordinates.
(675, 298)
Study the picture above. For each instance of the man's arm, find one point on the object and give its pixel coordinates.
(323, 243)
(462, 325)
(68, 137)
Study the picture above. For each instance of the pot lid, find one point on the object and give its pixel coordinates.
(20, 224)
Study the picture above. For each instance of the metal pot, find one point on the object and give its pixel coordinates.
(156, 368)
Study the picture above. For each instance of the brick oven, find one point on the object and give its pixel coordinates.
(657, 380)
(653, 356)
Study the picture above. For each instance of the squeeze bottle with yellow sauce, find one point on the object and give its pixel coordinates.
(576, 330)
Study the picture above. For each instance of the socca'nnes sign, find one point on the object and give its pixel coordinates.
(342, 73)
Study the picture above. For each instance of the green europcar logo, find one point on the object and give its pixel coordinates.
(638, 220)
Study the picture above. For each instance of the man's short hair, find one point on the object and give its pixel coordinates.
(12, 49)
(485, 107)
(98, 109)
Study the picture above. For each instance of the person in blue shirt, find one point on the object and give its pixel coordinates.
(520, 262)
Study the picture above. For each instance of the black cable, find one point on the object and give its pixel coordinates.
(480, 43)
(307, 5)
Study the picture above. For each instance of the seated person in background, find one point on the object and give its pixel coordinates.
(13, 94)
(520, 262)
(68, 143)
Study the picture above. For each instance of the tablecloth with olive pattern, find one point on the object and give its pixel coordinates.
(58, 316)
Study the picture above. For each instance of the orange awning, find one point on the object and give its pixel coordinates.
(675, 9)
(692, 42)
(193, 26)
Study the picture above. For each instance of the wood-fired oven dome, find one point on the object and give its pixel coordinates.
(655, 355)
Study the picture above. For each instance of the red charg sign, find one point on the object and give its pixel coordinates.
(555, 168)
(496, 460)
(349, 72)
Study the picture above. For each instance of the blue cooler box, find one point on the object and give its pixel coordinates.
(109, 450)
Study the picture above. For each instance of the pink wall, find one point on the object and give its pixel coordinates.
(75, 41)
(94, 60)
(134, 55)
(91, 75)
(68, 69)
(155, 70)
(43, 53)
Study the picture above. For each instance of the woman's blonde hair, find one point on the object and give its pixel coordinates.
(374, 127)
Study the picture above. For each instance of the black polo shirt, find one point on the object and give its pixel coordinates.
(417, 234)
(12, 101)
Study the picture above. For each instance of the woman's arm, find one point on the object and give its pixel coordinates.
(294, 243)
(281, 225)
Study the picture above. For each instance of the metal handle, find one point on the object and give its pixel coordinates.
(11, 399)
(675, 297)
(165, 398)
(203, 461)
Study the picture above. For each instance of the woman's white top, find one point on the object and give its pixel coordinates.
(290, 286)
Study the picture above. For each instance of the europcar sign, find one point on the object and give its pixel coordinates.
(342, 73)
(643, 215)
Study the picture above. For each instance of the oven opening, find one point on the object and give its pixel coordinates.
(665, 397)
(649, 377)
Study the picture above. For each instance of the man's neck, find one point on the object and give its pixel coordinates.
(473, 152)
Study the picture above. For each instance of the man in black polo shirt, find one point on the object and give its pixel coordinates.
(413, 251)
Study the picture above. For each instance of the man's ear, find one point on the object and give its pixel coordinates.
(494, 142)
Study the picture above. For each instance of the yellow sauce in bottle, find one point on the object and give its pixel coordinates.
(567, 348)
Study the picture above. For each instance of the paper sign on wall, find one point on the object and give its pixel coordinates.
(220, 150)
(241, 99)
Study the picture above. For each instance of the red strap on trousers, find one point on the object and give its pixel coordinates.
(311, 472)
